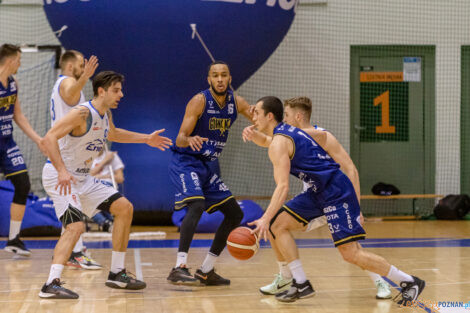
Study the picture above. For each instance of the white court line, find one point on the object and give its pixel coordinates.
(138, 265)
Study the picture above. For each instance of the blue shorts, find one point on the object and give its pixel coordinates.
(303, 207)
(342, 213)
(193, 179)
(11, 159)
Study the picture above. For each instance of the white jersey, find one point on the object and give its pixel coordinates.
(58, 106)
(78, 152)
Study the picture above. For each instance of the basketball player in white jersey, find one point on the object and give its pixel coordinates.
(67, 93)
(71, 144)
(297, 112)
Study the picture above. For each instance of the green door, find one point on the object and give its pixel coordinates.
(391, 108)
(465, 121)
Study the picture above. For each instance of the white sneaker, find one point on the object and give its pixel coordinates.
(278, 285)
(383, 289)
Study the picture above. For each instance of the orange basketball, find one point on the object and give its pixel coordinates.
(242, 244)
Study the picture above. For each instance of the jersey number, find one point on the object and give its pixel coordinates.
(52, 110)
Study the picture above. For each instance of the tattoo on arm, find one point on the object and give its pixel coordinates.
(83, 111)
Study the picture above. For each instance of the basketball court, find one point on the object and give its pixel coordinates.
(438, 252)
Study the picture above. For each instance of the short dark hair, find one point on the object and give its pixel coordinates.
(105, 79)
(273, 105)
(302, 103)
(68, 56)
(215, 63)
(8, 50)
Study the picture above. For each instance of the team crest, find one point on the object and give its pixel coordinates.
(221, 124)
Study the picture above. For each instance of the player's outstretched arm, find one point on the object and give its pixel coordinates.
(251, 134)
(76, 118)
(125, 136)
(194, 109)
(70, 88)
(21, 120)
(279, 156)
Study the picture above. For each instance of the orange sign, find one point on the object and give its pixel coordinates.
(372, 77)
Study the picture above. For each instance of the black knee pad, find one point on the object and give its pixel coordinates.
(232, 211)
(71, 215)
(22, 187)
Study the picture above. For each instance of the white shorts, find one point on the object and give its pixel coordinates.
(87, 193)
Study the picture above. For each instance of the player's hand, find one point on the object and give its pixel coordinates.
(251, 110)
(109, 157)
(90, 66)
(196, 142)
(64, 182)
(157, 141)
(248, 133)
(261, 229)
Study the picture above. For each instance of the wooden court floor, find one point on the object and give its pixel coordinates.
(438, 252)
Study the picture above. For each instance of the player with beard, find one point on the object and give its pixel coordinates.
(202, 136)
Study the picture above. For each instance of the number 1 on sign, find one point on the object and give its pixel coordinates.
(385, 128)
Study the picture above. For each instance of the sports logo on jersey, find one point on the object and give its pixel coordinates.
(211, 104)
(95, 127)
(95, 145)
(222, 124)
(7, 102)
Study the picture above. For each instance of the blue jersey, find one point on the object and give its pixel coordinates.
(214, 124)
(310, 163)
(8, 95)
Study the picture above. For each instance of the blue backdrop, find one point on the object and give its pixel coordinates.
(150, 43)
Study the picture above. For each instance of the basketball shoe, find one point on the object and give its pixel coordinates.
(383, 289)
(55, 291)
(17, 246)
(296, 291)
(181, 276)
(278, 285)
(122, 280)
(81, 260)
(211, 278)
(410, 291)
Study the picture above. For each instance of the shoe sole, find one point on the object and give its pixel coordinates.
(284, 288)
(383, 298)
(185, 283)
(54, 296)
(114, 285)
(17, 251)
(293, 300)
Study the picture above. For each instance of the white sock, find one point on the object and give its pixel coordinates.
(181, 258)
(79, 245)
(398, 276)
(374, 276)
(208, 263)
(56, 271)
(297, 271)
(15, 227)
(117, 261)
(284, 270)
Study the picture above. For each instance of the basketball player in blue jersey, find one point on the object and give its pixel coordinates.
(202, 136)
(11, 160)
(306, 154)
(297, 112)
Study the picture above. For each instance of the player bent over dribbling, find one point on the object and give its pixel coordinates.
(72, 143)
